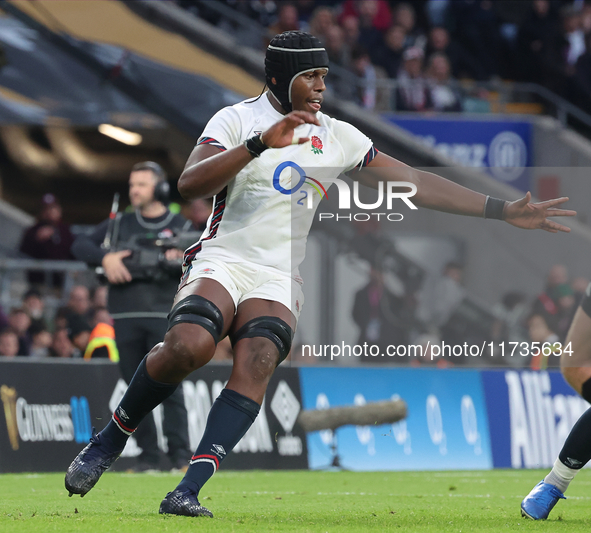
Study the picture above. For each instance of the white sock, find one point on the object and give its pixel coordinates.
(560, 476)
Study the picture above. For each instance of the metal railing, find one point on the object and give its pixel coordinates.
(13, 270)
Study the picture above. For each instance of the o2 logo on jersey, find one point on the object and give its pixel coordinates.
(315, 184)
(387, 191)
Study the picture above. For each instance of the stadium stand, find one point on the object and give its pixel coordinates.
(514, 51)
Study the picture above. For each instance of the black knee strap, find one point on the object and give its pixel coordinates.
(270, 327)
(195, 309)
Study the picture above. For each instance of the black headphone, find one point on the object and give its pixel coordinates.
(162, 187)
(162, 192)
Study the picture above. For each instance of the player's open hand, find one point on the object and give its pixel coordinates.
(281, 134)
(523, 214)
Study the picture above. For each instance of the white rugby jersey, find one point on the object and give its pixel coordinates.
(264, 214)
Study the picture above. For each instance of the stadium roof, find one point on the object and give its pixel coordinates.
(45, 82)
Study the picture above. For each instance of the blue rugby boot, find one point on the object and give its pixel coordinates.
(540, 501)
(89, 465)
(184, 503)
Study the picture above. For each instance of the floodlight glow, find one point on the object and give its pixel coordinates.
(120, 134)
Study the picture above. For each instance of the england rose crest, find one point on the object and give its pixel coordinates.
(316, 144)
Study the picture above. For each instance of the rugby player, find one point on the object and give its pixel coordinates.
(241, 279)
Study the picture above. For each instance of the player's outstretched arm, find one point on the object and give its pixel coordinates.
(208, 170)
(440, 194)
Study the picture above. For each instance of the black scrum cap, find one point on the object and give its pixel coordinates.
(290, 54)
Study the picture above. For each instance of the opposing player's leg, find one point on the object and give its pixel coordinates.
(576, 368)
(576, 451)
(202, 313)
(261, 337)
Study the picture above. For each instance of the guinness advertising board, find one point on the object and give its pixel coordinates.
(50, 408)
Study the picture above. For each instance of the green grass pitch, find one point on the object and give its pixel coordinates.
(293, 501)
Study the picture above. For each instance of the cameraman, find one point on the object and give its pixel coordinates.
(139, 300)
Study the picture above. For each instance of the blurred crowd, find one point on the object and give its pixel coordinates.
(433, 315)
(434, 311)
(33, 330)
(426, 45)
(82, 326)
(438, 313)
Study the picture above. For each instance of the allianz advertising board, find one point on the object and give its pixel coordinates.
(457, 419)
(502, 147)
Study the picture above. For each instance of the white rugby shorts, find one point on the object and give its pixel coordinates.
(244, 281)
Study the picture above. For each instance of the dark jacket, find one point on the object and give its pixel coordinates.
(140, 297)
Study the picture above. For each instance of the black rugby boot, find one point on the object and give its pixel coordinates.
(89, 465)
(183, 503)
